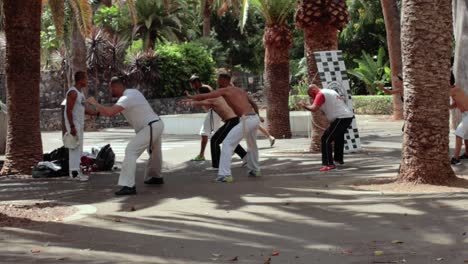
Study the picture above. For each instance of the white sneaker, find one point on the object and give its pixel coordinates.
(272, 141)
(81, 178)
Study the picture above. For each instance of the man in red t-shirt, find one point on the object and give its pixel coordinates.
(340, 117)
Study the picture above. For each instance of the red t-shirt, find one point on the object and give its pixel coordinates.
(319, 99)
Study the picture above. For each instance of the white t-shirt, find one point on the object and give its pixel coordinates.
(335, 106)
(78, 109)
(138, 111)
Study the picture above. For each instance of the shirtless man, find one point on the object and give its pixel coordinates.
(247, 110)
(230, 119)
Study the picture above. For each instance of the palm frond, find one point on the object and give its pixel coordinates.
(83, 13)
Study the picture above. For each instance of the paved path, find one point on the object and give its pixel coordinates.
(294, 212)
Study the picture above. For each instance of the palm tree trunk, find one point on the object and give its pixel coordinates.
(277, 43)
(78, 47)
(318, 37)
(206, 12)
(392, 25)
(426, 50)
(22, 30)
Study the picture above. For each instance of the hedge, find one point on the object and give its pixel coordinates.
(363, 104)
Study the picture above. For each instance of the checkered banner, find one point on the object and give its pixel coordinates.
(333, 74)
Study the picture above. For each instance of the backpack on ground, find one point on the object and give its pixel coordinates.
(59, 157)
(105, 158)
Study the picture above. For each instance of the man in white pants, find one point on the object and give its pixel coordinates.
(74, 116)
(148, 127)
(212, 120)
(246, 109)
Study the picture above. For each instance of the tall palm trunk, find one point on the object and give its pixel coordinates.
(426, 49)
(278, 40)
(318, 37)
(206, 12)
(22, 31)
(392, 25)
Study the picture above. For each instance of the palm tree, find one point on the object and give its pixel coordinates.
(320, 20)
(426, 49)
(392, 25)
(23, 56)
(163, 20)
(277, 40)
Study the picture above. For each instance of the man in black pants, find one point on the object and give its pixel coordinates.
(340, 117)
(220, 106)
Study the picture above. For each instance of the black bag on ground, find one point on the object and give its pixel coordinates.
(59, 157)
(42, 171)
(105, 158)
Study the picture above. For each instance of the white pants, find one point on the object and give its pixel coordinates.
(135, 148)
(462, 129)
(211, 124)
(247, 128)
(74, 155)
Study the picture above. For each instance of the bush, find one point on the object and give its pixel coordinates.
(363, 105)
(177, 62)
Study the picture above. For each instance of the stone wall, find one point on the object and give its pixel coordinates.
(51, 119)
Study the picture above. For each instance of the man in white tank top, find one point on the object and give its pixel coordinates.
(74, 116)
(340, 118)
(148, 127)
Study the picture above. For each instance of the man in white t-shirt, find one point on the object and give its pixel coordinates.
(340, 117)
(74, 120)
(148, 127)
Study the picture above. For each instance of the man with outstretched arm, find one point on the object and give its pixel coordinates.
(148, 127)
(246, 109)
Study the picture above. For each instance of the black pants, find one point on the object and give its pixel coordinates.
(334, 133)
(219, 137)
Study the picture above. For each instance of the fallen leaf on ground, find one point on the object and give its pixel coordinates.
(35, 251)
(397, 242)
(234, 259)
(378, 253)
(347, 251)
(439, 259)
(217, 255)
(275, 253)
(132, 208)
(464, 234)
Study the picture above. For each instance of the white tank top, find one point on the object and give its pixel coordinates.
(78, 109)
(335, 106)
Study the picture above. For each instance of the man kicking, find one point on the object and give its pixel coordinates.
(148, 127)
(212, 120)
(246, 109)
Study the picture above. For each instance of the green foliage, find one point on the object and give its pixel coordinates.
(215, 48)
(160, 20)
(273, 11)
(114, 17)
(178, 62)
(363, 105)
(135, 47)
(373, 105)
(50, 41)
(372, 71)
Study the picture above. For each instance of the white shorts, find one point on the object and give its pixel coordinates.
(462, 129)
(211, 124)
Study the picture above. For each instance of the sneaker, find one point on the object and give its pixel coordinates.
(255, 173)
(155, 180)
(227, 179)
(272, 141)
(455, 162)
(464, 156)
(339, 162)
(198, 158)
(81, 178)
(126, 191)
(328, 168)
